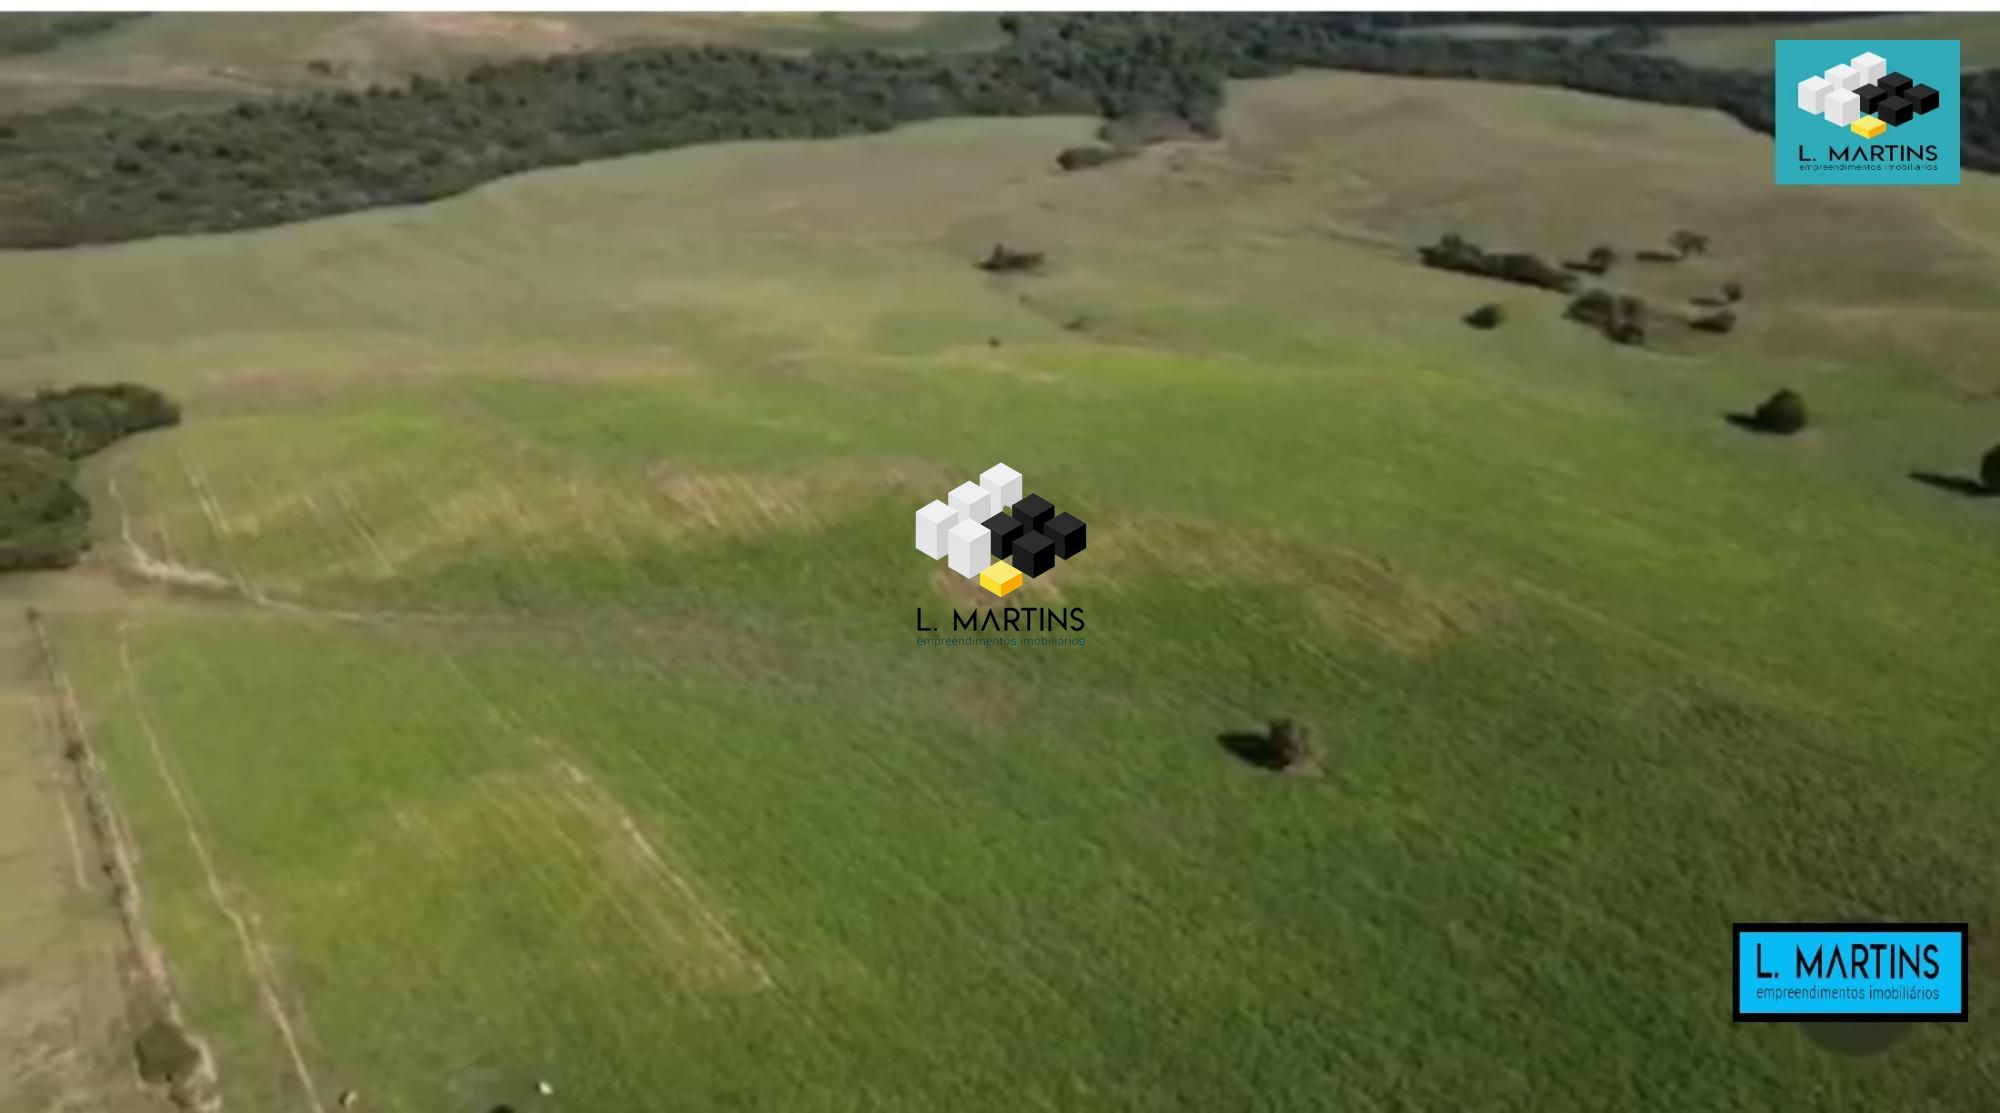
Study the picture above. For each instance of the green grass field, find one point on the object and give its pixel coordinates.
(508, 670)
(205, 60)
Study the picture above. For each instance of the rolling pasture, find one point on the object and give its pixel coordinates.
(508, 673)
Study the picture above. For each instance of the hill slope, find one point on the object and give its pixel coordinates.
(507, 669)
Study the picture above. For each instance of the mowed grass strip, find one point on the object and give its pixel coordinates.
(560, 717)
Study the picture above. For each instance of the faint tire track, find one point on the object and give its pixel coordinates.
(262, 971)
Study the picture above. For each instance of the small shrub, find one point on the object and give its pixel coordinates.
(1732, 291)
(1686, 243)
(1003, 260)
(1989, 470)
(1783, 412)
(165, 1055)
(1486, 316)
(1085, 158)
(1291, 745)
(1721, 321)
(1646, 256)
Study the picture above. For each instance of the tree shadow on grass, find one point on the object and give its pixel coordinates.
(1956, 484)
(1252, 747)
(1749, 423)
(1856, 1037)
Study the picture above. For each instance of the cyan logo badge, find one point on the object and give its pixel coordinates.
(1860, 112)
(1810, 972)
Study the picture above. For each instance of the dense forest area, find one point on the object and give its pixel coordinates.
(44, 520)
(92, 176)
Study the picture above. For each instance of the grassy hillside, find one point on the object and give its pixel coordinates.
(508, 667)
(1748, 46)
(192, 60)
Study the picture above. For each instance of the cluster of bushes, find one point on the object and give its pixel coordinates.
(1597, 262)
(1621, 317)
(77, 421)
(44, 521)
(83, 176)
(1454, 253)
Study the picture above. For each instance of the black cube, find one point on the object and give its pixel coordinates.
(1894, 110)
(1034, 554)
(1066, 530)
(1004, 528)
(1923, 98)
(1894, 83)
(1871, 95)
(1034, 511)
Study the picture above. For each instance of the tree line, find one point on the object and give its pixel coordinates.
(91, 175)
(28, 32)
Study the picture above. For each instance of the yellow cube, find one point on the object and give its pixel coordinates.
(1868, 127)
(1000, 578)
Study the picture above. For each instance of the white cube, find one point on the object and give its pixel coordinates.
(971, 549)
(1812, 94)
(1842, 107)
(934, 522)
(1003, 483)
(1871, 66)
(974, 503)
(1844, 76)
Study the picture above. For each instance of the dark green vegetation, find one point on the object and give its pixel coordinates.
(1486, 316)
(96, 176)
(44, 521)
(1089, 157)
(1989, 469)
(1005, 260)
(1783, 413)
(1286, 746)
(1622, 317)
(77, 421)
(26, 33)
(1453, 253)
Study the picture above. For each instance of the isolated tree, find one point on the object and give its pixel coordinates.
(1989, 470)
(1732, 291)
(1601, 257)
(1290, 743)
(1688, 243)
(1783, 412)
